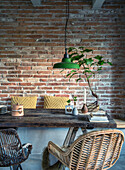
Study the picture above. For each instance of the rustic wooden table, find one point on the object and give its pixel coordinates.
(54, 118)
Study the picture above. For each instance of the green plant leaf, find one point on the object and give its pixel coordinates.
(80, 62)
(78, 79)
(72, 75)
(101, 62)
(89, 76)
(72, 71)
(87, 50)
(68, 74)
(86, 68)
(68, 101)
(100, 68)
(98, 57)
(93, 64)
(70, 49)
(109, 63)
(75, 99)
(88, 61)
(81, 47)
(87, 71)
(74, 53)
(77, 57)
(61, 70)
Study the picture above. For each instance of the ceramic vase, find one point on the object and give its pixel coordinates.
(75, 111)
(84, 109)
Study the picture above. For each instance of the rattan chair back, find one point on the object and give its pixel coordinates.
(96, 150)
(11, 149)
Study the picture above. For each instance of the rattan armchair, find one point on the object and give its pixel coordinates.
(12, 152)
(91, 151)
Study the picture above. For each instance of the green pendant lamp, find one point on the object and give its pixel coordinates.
(66, 61)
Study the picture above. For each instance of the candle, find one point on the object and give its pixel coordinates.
(84, 95)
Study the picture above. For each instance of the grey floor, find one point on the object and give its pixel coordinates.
(35, 165)
(120, 164)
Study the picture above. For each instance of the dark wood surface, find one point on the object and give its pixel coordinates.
(52, 118)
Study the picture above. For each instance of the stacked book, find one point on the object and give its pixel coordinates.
(99, 116)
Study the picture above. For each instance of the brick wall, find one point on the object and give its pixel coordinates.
(32, 40)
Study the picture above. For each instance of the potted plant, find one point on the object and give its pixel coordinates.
(75, 110)
(69, 107)
(74, 99)
(88, 65)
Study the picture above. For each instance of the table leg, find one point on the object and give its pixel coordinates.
(84, 130)
(70, 136)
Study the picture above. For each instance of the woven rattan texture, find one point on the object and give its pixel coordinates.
(91, 151)
(11, 149)
(28, 102)
(53, 102)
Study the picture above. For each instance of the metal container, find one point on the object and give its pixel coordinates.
(3, 109)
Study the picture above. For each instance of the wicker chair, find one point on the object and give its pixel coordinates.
(12, 152)
(91, 151)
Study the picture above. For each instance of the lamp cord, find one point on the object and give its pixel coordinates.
(67, 18)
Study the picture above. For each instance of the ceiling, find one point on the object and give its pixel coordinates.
(97, 4)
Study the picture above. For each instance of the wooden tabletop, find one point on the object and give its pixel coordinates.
(120, 123)
(52, 118)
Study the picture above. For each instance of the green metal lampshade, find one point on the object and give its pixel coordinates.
(66, 63)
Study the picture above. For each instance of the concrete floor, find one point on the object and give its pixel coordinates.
(120, 164)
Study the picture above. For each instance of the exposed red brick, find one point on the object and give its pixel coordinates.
(25, 84)
(16, 79)
(62, 95)
(3, 88)
(54, 84)
(39, 84)
(54, 60)
(24, 68)
(45, 88)
(14, 72)
(53, 92)
(23, 76)
(45, 72)
(39, 60)
(16, 88)
(3, 95)
(60, 88)
(8, 84)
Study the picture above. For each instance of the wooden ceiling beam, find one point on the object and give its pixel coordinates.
(36, 2)
(97, 4)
